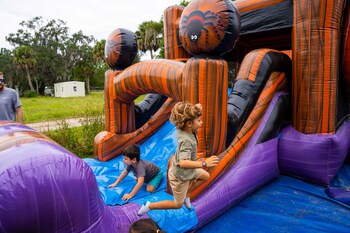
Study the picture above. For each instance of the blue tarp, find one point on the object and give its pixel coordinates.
(157, 149)
(288, 205)
(285, 205)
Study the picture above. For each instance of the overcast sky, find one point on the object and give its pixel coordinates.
(93, 17)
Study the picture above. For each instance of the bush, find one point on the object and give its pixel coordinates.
(30, 94)
(78, 140)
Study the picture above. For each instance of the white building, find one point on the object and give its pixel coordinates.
(69, 89)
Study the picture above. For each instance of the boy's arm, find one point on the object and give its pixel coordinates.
(212, 161)
(120, 178)
(128, 196)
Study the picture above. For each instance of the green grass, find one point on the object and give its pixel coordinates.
(47, 108)
(79, 140)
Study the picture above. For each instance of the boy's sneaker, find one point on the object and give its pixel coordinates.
(144, 209)
(187, 202)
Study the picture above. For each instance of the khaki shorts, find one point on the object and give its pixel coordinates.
(180, 187)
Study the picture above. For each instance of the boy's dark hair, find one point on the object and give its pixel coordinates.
(132, 151)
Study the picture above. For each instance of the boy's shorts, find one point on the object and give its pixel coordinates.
(180, 187)
(155, 182)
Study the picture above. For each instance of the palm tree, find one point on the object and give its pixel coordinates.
(149, 36)
(99, 51)
(184, 2)
(24, 57)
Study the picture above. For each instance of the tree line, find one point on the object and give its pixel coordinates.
(46, 53)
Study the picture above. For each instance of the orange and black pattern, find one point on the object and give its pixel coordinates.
(209, 27)
(158, 76)
(277, 81)
(121, 48)
(198, 81)
(206, 82)
(252, 5)
(112, 49)
(109, 99)
(108, 145)
(173, 48)
(345, 56)
(316, 36)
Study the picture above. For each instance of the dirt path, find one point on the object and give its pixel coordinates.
(52, 125)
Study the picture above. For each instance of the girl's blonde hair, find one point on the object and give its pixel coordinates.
(183, 112)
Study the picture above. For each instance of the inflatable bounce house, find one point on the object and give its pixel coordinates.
(282, 132)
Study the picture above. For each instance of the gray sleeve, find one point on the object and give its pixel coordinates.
(16, 101)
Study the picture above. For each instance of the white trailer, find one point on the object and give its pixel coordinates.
(69, 89)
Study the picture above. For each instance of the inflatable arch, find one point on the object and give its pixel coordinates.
(286, 114)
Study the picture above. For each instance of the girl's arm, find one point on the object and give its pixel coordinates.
(120, 178)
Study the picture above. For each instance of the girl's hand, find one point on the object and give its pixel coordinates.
(212, 161)
(112, 185)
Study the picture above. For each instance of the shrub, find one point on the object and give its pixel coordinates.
(30, 94)
(78, 140)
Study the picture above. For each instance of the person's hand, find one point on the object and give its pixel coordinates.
(112, 185)
(127, 197)
(212, 161)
